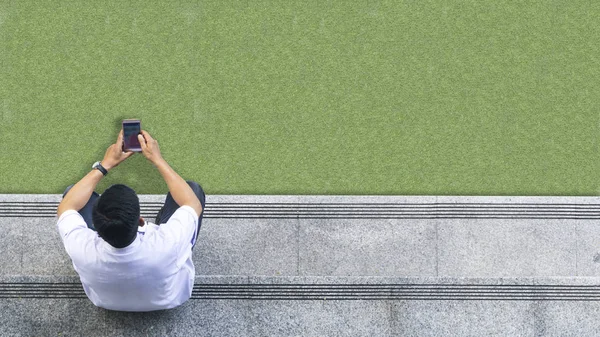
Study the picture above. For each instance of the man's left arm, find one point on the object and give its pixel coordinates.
(81, 192)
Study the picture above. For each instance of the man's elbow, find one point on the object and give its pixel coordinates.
(60, 210)
(196, 205)
(62, 207)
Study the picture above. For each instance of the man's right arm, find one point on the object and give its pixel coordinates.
(181, 192)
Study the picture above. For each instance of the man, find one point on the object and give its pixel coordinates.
(125, 263)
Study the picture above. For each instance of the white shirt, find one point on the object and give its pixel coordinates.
(152, 273)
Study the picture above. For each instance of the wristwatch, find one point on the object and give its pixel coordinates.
(100, 168)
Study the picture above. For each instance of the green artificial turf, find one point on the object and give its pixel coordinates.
(306, 97)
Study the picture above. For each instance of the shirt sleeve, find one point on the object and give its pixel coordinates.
(69, 221)
(73, 230)
(181, 228)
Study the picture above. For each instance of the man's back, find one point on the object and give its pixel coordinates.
(154, 272)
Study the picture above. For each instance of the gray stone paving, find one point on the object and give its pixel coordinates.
(378, 247)
(499, 247)
(247, 247)
(304, 250)
(78, 317)
(367, 247)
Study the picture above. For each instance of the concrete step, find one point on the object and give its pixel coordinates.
(334, 266)
(348, 236)
(316, 306)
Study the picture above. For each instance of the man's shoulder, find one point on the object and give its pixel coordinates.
(69, 221)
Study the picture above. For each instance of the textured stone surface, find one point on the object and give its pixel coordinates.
(341, 199)
(367, 247)
(51, 317)
(506, 247)
(62, 317)
(247, 247)
(376, 280)
(588, 248)
(463, 318)
(217, 199)
(319, 318)
(78, 317)
(345, 252)
(519, 199)
(194, 318)
(362, 199)
(393, 247)
(11, 241)
(32, 246)
(564, 318)
(30, 197)
(43, 250)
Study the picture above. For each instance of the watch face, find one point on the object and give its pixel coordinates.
(96, 164)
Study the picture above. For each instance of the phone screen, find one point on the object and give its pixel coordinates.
(131, 129)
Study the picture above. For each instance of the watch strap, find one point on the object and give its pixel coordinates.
(101, 169)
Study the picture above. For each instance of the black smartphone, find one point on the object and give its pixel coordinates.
(131, 129)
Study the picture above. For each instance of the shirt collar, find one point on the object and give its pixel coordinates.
(132, 246)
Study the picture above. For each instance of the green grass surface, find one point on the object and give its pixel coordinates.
(316, 97)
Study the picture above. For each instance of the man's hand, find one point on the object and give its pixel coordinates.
(150, 148)
(114, 154)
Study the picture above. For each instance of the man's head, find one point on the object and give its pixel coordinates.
(116, 215)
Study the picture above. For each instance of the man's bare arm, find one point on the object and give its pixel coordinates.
(181, 192)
